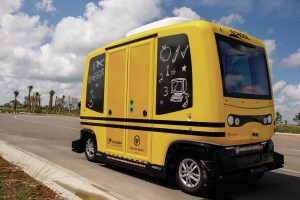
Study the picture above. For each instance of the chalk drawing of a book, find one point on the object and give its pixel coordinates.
(178, 89)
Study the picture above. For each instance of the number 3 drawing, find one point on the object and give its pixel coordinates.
(166, 91)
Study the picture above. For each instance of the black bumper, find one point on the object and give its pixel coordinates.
(234, 167)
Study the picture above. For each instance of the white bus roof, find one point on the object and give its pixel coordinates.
(158, 24)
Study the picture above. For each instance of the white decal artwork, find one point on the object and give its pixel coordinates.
(178, 91)
(167, 68)
(166, 91)
(176, 54)
(91, 103)
(184, 68)
(186, 103)
(92, 94)
(161, 102)
(173, 72)
(165, 53)
(184, 51)
(161, 78)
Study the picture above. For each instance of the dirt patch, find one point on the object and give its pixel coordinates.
(16, 184)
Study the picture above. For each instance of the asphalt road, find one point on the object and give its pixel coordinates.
(50, 137)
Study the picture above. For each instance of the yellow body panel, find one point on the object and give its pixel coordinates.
(130, 75)
(117, 90)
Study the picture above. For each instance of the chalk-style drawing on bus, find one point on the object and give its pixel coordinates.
(184, 51)
(178, 89)
(165, 53)
(176, 54)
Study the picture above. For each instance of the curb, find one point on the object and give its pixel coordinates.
(290, 134)
(64, 182)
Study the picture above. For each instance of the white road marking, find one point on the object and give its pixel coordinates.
(290, 170)
(15, 117)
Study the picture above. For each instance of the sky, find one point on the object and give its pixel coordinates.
(44, 42)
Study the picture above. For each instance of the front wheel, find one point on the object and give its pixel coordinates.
(90, 149)
(189, 176)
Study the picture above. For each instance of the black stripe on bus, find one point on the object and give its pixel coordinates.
(168, 122)
(152, 129)
(131, 41)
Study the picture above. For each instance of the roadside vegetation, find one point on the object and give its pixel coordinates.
(63, 105)
(16, 184)
(283, 126)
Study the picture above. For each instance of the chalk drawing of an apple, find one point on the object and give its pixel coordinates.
(165, 53)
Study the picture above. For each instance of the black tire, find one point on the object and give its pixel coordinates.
(189, 176)
(90, 149)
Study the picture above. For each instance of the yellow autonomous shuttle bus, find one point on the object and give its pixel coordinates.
(190, 100)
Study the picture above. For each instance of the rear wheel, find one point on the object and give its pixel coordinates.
(90, 149)
(189, 176)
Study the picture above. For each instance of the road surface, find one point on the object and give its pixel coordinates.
(50, 137)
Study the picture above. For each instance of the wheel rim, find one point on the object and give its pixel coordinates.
(90, 147)
(189, 173)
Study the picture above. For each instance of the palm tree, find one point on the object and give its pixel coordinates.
(62, 103)
(55, 104)
(51, 101)
(15, 103)
(29, 91)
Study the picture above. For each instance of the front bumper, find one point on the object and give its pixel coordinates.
(235, 167)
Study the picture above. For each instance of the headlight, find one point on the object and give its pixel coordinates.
(269, 119)
(265, 120)
(230, 120)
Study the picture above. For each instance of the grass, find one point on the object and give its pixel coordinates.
(43, 111)
(17, 185)
(287, 128)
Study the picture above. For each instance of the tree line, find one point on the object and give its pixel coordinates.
(278, 119)
(32, 102)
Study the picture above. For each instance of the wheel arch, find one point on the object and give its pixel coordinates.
(180, 148)
(87, 133)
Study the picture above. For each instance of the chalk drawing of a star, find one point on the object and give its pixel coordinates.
(184, 68)
(173, 72)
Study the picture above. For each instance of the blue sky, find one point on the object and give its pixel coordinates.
(46, 40)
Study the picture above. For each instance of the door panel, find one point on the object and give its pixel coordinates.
(116, 98)
(140, 85)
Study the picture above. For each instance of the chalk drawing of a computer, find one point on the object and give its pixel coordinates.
(178, 89)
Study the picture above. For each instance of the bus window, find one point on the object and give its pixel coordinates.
(95, 84)
(174, 74)
(244, 69)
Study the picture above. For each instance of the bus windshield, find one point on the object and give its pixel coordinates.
(244, 69)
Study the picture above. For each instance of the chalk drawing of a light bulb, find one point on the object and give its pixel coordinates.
(165, 53)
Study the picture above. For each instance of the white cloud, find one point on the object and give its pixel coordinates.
(45, 5)
(186, 13)
(10, 6)
(271, 47)
(25, 58)
(287, 102)
(231, 19)
(278, 85)
(292, 61)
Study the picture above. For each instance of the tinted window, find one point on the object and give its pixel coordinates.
(95, 84)
(174, 74)
(244, 69)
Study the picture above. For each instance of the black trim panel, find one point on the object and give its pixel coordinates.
(165, 130)
(131, 41)
(145, 168)
(168, 122)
